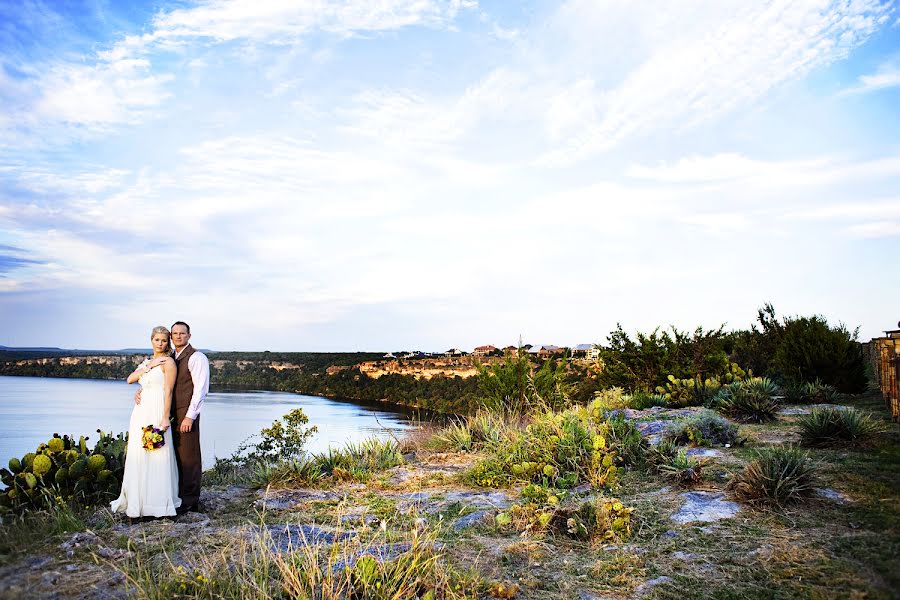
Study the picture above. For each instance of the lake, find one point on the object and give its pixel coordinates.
(32, 409)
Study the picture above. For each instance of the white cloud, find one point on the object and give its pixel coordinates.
(885, 77)
(283, 21)
(875, 230)
(734, 167)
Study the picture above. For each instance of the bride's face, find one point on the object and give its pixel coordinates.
(160, 342)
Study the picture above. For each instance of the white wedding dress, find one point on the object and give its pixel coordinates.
(150, 482)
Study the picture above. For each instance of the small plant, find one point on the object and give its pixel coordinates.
(777, 476)
(816, 392)
(705, 429)
(828, 425)
(681, 468)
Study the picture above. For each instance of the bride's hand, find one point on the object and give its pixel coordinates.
(163, 425)
(156, 361)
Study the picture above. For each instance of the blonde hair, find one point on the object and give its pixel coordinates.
(162, 329)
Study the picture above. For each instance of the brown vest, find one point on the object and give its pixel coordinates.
(184, 385)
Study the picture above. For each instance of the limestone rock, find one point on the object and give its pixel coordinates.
(705, 507)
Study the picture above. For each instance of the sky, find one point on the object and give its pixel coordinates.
(311, 175)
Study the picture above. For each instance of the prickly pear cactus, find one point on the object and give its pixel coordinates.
(62, 469)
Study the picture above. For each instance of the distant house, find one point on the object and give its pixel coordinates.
(513, 350)
(484, 350)
(389, 355)
(454, 352)
(589, 351)
(547, 351)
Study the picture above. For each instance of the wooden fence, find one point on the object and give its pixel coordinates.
(884, 353)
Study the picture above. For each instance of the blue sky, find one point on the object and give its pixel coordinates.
(313, 175)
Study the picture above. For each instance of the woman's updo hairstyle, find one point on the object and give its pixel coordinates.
(162, 329)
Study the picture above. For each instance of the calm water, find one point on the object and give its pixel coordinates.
(33, 408)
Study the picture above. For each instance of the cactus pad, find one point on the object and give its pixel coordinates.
(41, 465)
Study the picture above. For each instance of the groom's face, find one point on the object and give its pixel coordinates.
(180, 336)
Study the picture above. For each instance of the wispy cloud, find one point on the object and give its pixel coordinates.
(885, 77)
(707, 64)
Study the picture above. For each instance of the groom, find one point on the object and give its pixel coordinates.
(191, 387)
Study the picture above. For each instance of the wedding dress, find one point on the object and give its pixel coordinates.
(150, 482)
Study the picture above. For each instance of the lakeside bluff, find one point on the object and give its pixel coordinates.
(710, 464)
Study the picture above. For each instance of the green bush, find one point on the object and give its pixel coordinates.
(828, 425)
(705, 429)
(777, 476)
(812, 350)
(644, 363)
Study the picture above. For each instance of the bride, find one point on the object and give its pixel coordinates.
(150, 482)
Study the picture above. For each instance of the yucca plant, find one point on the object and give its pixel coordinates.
(456, 437)
(778, 476)
(752, 401)
(828, 425)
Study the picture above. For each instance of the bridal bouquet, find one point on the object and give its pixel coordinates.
(152, 438)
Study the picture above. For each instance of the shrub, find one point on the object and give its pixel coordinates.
(828, 425)
(277, 443)
(777, 476)
(511, 385)
(705, 429)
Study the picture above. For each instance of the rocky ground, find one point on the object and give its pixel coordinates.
(687, 542)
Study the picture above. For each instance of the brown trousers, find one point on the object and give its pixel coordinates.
(187, 455)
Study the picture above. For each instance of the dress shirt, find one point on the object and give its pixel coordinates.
(198, 365)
